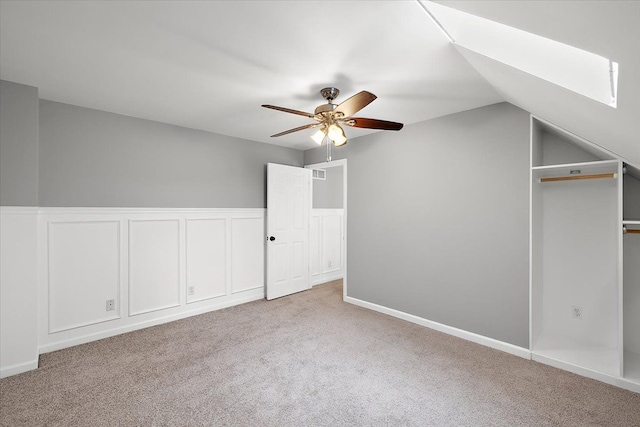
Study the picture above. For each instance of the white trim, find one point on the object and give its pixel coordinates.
(256, 295)
(437, 22)
(324, 278)
(324, 165)
(460, 333)
(531, 329)
(579, 370)
(18, 368)
(327, 211)
(620, 237)
(246, 290)
(148, 211)
(19, 210)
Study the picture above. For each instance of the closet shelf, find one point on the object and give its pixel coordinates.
(576, 170)
(598, 163)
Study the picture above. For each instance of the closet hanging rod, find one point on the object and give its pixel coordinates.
(577, 177)
(626, 230)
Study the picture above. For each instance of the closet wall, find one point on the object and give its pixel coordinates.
(583, 269)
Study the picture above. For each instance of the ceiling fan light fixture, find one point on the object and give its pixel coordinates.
(336, 134)
(335, 131)
(318, 137)
(340, 140)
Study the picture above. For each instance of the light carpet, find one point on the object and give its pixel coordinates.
(304, 360)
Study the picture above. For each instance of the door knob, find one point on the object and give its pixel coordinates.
(272, 238)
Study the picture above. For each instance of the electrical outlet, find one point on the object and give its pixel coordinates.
(329, 263)
(111, 304)
(576, 312)
(192, 290)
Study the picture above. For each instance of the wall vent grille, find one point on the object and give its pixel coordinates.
(320, 174)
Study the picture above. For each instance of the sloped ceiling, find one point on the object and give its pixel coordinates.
(610, 29)
(210, 65)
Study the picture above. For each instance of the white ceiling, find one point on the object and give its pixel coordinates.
(210, 65)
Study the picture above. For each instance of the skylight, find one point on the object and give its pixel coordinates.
(574, 69)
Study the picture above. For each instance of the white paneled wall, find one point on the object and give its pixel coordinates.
(154, 265)
(327, 245)
(247, 258)
(109, 271)
(83, 272)
(206, 259)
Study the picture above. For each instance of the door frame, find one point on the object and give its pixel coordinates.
(324, 165)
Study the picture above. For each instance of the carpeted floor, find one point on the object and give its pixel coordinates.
(304, 360)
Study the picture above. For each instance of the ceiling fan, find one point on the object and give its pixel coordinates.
(329, 117)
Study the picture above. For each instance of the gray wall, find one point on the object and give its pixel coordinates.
(438, 220)
(18, 144)
(328, 194)
(94, 158)
(631, 198)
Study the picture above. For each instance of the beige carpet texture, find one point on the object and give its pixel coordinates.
(304, 360)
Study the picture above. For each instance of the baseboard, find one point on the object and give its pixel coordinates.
(254, 296)
(579, 370)
(328, 278)
(18, 369)
(460, 333)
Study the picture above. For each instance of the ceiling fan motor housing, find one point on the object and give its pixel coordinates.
(329, 93)
(325, 108)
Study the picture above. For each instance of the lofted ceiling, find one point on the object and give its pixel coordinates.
(210, 65)
(607, 28)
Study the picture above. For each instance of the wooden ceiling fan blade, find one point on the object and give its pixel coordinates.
(311, 125)
(289, 110)
(356, 103)
(361, 122)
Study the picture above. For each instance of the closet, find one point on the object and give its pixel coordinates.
(631, 272)
(585, 258)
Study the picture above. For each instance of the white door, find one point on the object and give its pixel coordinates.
(288, 212)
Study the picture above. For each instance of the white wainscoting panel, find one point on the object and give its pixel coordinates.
(315, 253)
(154, 265)
(206, 259)
(84, 272)
(327, 245)
(247, 253)
(145, 259)
(331, 243)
